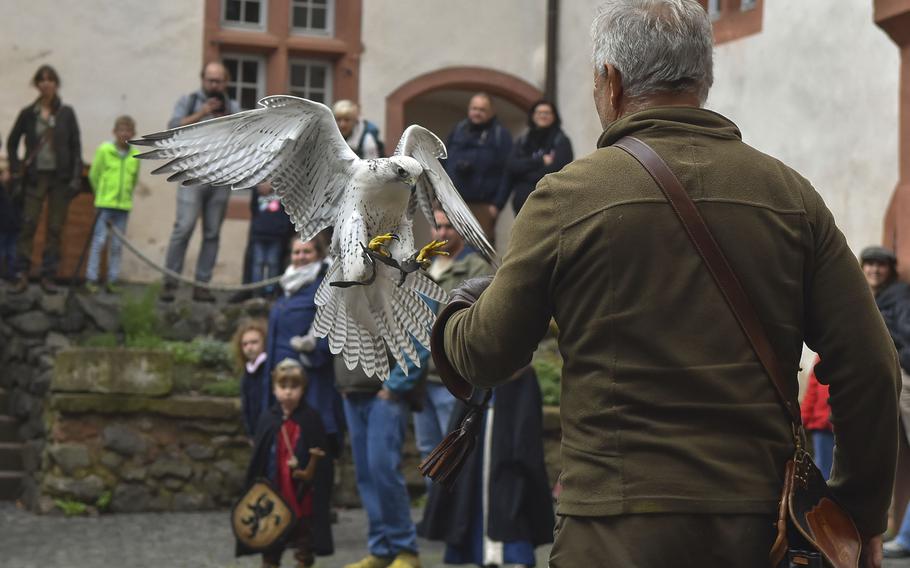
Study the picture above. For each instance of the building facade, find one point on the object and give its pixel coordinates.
(820, 89)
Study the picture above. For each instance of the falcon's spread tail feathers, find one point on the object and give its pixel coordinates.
(367, 323)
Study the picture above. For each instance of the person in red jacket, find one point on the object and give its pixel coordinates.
(817, 421)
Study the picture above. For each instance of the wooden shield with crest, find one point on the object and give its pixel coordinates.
(261, 518)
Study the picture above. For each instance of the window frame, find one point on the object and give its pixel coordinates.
(329, 76)
(231, 24)
(329, 30)
(240, 57)
(714, 9)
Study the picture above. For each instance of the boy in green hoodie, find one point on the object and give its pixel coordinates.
(113, 176)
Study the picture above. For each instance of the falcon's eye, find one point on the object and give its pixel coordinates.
(402, 172)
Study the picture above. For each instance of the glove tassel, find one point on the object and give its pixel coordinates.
(444, 463)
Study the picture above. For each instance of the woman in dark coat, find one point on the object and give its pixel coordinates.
(542, 150)
(288, 336)
(51, 170)
(500, 507)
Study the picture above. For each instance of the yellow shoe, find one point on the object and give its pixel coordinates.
(371, 562)
(405, 560)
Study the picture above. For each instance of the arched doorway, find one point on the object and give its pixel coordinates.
(454, 80)
(439, 99)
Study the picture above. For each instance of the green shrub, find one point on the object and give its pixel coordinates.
(222, 387)
(104, 501)
(139, 316)
(102, 340)
(152, 342)
(71, 508)
(213, 353)
(183, 352)
(201, 351)
(548, 375)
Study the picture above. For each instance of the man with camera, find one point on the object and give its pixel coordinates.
(210, 101)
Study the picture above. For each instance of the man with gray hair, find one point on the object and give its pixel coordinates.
(673, 439)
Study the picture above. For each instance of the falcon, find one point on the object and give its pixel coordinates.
(371, 300)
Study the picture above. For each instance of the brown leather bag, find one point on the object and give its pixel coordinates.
(809, 516)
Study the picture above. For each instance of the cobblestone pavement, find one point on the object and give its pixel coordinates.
(171, 540)
(162, 540)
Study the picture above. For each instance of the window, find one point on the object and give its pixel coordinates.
(313, 16)
(714, 9)
(247, 84)
(748, 4)
(311, 80)
(244, 13)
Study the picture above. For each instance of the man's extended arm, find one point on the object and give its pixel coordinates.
(859, 363)
(489, 341)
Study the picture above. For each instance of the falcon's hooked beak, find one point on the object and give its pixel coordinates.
(406, 178)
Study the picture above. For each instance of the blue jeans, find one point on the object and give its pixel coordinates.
(192, 202)
(823, 446)
(7, 255)
(903, 535)
(118, 219)
(266, 261)
(432, 423)
(377, 430)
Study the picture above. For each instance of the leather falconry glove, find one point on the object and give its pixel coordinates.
(462, 297)
(444, 463)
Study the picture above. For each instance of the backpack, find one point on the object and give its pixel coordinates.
(370, 128)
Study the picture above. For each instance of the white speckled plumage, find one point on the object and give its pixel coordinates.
(295, 144)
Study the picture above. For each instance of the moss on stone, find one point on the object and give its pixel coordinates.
(215, 408)
(124, 371)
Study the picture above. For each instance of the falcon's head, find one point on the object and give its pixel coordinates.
(404, 169)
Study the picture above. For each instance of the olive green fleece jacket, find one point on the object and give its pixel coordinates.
(469, 265)
(665, 407)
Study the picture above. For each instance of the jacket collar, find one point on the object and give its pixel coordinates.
(111, 148)
(660, 119)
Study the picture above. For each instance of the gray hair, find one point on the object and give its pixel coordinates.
(658, 46)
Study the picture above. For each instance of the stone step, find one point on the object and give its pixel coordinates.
(9, 427)
(11, 456)
(10, 485)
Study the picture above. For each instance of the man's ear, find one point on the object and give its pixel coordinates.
(614, 88)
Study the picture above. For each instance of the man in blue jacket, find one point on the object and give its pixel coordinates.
(478, 148)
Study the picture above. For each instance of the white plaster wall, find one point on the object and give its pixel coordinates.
(127, 57)
(817, 88)
(407, 38)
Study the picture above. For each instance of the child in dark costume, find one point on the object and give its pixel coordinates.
(255, 386)
(287, 449)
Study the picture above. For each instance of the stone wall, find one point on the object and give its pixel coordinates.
(125, 429)
(151, 454)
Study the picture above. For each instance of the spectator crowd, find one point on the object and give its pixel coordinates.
(298, 400)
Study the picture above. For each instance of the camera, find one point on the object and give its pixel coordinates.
(221, 97)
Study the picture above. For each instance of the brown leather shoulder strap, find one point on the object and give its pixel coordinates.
(716, 263)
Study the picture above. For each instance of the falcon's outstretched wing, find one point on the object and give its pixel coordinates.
(292, 142)
(427, 148)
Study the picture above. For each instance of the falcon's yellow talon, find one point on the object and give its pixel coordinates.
(379, 242)
(431, 249)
